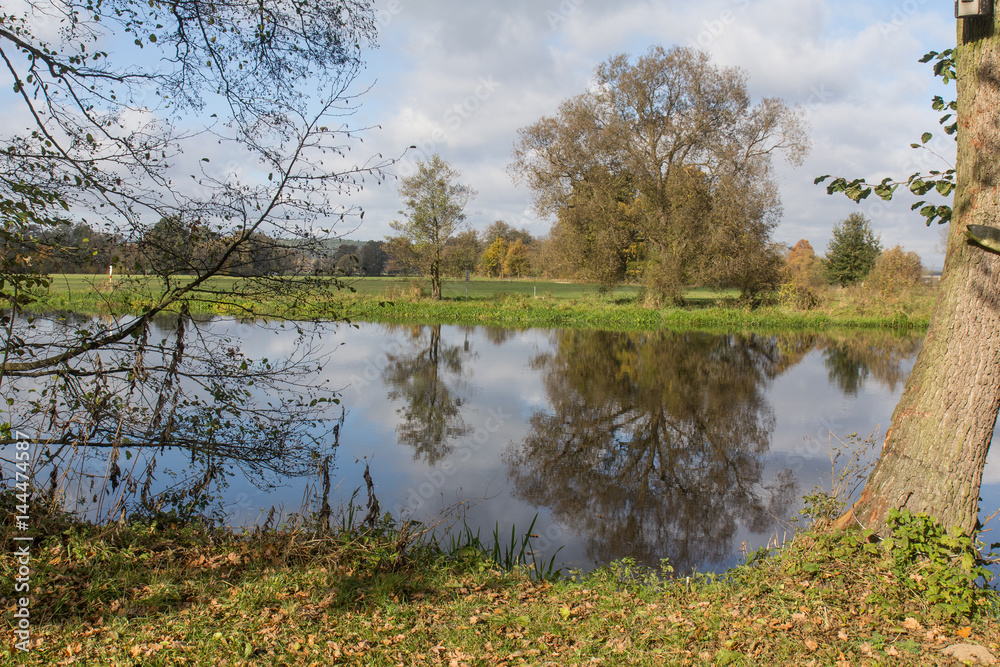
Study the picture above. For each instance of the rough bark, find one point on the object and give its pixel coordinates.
(935, 450)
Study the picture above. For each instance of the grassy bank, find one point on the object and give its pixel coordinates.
(507, 303)
(157, 593)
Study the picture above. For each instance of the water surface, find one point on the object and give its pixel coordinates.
(689, 447)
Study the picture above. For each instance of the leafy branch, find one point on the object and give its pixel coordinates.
(919, 184)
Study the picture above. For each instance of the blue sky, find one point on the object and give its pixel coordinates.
(460, 78)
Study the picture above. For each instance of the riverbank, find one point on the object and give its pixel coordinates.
(172, 593)
(504, 303)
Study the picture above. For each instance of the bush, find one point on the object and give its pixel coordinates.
(803, 280)
(895, 271)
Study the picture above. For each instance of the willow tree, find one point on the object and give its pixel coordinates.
(935, 449)
(693, 152)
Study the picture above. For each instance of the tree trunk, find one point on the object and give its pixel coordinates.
(436, 280)
(934, 452)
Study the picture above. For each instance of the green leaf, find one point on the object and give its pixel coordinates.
(925, 137)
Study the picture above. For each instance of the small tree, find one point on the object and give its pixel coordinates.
(435, 209)
(803, 276)
(461, 253)
(517, 262)
(895, 271)
(373, 258)
(492, 262)
(852, 251)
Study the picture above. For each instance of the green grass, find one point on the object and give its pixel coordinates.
(155, 593)
(507, 303)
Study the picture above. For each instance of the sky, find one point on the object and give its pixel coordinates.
(459, 78)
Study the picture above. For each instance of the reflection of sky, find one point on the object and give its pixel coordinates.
(500, 391)
(498, 384)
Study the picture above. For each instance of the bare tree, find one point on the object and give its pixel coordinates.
(227, 120)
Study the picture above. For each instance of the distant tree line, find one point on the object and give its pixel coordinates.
(499, 251)
(173, 247)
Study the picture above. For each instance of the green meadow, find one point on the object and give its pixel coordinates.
(492, 302)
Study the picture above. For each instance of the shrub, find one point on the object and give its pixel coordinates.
(803, 280)
(895, 271)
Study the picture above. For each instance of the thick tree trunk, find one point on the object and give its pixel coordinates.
(934, 452)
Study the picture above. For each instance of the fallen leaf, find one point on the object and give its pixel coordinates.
(811, 645)
(970, 653)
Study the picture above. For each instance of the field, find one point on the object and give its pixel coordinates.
(478, 288)
(510, 303)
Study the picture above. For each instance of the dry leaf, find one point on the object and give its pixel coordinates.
(811, 645)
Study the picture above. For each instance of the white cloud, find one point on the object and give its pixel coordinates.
(852, 66)
(460, 78)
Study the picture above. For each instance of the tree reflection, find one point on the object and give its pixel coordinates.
(420, 378)
(850, 360)
(654, 444)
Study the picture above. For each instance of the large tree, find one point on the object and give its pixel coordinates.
(169, 123)
(935, 449)
(434, 204)
(669, 147)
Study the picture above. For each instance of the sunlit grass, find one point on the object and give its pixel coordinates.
(508, 303)
(159, 593)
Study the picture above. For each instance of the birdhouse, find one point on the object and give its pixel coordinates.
(969, 8)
